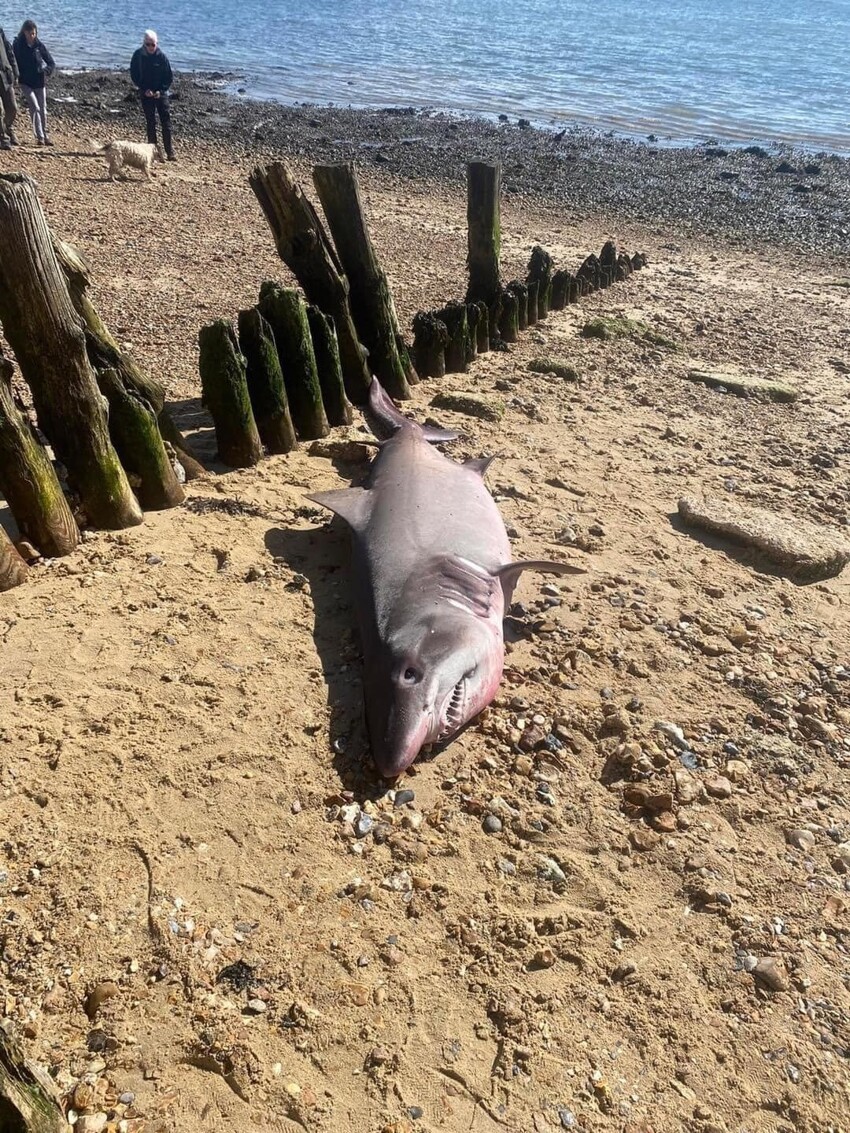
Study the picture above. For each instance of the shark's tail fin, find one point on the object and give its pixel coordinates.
(385, 419)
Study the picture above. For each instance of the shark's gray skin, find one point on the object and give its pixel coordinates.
(433, 575)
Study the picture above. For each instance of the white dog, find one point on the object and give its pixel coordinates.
(130, 155)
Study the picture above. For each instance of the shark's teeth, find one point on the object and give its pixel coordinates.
(454, 712)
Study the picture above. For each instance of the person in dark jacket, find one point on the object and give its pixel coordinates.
(35, 65)
(8, 105)
(151, 72)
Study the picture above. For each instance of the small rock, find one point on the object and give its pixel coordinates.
(363, 825)
(91, 1123)
(719, 787)
(771, 974)
(98, 995)
(404, 796)
(256, 1007)
(491, 824)
(800, 839)
(644, 839)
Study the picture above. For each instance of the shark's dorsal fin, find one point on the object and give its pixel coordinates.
(479, 464)
(352, 504)
(386, 420)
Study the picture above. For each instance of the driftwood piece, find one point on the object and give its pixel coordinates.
(224, 390)
(540, 270)
(45, 334)
(508, 321)
(430, 336)
(28, 480)
(286, 313)
(105, 354)
(29, 1099)
(520, 292)
(264, 378)
(304, 247)
(13, 571)
(329, 367)
(369, 296)
(457, 349)
(798, 548)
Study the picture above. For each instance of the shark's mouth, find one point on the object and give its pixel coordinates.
(453, 715)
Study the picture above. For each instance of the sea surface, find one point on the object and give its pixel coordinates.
(685, 70)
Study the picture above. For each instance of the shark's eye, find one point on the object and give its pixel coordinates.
(411, 675)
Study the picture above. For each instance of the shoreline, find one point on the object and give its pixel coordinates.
(751, 196)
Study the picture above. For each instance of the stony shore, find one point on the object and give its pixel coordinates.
(752, 196)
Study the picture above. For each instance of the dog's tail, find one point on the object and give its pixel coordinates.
(98, 147)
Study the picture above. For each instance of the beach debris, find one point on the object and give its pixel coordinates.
(798, 548)
(742, 385)
(608, 327)
(554, 367)
(470, 404)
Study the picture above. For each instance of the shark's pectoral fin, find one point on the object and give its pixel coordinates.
(510, 572)
(351, 503)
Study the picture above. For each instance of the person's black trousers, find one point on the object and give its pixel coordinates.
(151, 106)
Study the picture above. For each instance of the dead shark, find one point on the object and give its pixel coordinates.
(432, 575)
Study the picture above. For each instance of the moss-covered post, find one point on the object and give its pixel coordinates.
(224, 391)
(533, 288)
(457, 347)
(305, 248)
(29, 1098)
(624, 267)
(482, 327)
(608, 263)
(28, 480)
(287, 315)
(540, 269)
(329, 367)
(45, 334)
(508, 323)
(370, 296)
(265, 382)
(560, 284)
(473, 314)
(520, 291)
(430, 336)
(105, 354)
(589, 273)
(484, 237)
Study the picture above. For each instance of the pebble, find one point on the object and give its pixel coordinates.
(491, 824)
(673, 733)
(506, 867)
(800, 839)
(415, 1111)
(403, 797)
(719, 787)
(256, 1007)
(91, 1123)
(363, 825)
(549, 870)
(770, 972)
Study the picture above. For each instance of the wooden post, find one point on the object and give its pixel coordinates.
(482, 327)
(508, 322)
(639, 261)
(540, 269)
(560, 284)
(13, 571)
(370, 297)
(224, 391)
(105, 354)
(430, 336)
(608, 262)
(264, 377)
(589, 272)
(287, 316)
(484, 236)
(304, 247)
(533, 296)
(29, 1098)
(457, 350)
(520, 291)
(473, 314)
(575, 289)
(28, 481)
(329, 367)
(44, 332)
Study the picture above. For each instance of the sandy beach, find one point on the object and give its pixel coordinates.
(192, 934)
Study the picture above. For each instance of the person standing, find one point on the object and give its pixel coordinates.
(8, 104)
(151, 72)
(35, 65)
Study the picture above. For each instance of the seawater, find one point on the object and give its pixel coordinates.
(738, 70)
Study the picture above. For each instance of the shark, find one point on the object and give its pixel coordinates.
(433, 576)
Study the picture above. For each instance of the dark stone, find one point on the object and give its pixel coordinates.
(239, 975)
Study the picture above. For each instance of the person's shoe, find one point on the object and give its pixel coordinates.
(39, 141)
(170, 157)
(13, 138)
(48, 141)
(4, 144)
